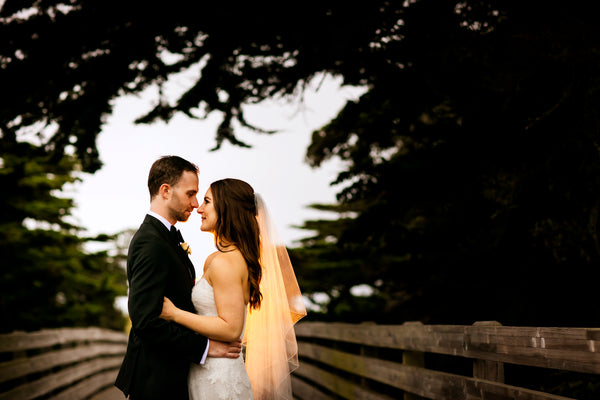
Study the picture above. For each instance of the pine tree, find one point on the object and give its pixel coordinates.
(47, 277)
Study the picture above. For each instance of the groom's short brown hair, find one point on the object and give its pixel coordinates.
(167, 169)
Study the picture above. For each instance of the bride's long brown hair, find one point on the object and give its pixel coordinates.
(237, 225)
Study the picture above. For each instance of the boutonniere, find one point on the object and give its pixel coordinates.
(186, 247)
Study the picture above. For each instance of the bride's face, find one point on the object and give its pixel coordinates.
(208, 213)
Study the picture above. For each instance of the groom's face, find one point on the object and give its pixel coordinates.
(182, 200)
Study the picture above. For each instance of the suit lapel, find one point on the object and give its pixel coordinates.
(159, 227)
(186, 260)
(181, 254)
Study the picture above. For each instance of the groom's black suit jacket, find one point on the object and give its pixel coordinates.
(159, 353)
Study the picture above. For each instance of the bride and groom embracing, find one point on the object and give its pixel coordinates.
(186, 336)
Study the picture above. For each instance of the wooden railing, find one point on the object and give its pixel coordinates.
(368, 361)
(337, 361)
(60, 364)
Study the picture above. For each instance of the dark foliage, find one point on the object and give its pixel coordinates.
(471, 187)
(47, 279)
(473, 165)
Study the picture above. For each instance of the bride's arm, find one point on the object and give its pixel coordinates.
(226, 279)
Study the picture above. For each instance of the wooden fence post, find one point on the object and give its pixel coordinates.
(413, 359)
(485, 369)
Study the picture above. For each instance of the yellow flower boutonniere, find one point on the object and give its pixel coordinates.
(186, 247)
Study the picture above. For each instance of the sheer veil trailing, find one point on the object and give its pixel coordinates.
(269, 337)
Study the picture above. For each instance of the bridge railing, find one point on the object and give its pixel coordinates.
(368, 361)
(337, 361)
(59, 364)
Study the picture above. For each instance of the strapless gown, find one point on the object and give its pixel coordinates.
(217, 378)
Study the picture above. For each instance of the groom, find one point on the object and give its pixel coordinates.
(159, 353)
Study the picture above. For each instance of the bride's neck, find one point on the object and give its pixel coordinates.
(226, 247)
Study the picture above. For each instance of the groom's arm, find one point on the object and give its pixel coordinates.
(148, 270)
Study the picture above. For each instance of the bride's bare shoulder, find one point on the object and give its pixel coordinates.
(231, 262)
(211, 257)
(209, 261)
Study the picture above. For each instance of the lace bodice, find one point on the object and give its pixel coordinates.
(218, 378)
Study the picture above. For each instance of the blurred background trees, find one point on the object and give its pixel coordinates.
(473, 169)
(49, 278)
(471, 187)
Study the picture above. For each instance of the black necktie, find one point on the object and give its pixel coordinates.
(176, 235)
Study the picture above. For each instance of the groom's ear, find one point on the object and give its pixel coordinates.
(165, 191)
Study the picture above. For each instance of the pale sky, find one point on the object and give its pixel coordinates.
(116, 197)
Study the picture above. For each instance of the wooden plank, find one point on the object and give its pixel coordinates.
(437, 385)
(560, 348)
(557, 359)
(20, 341)
(386, 372)
(110, 393)
(568, 349)
(337, 385)
(429, 384)
(304, 391)
(43, 362)
(412, 336)
(61, 379)
(89, 386)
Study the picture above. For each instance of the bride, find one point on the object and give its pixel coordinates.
(248, 289)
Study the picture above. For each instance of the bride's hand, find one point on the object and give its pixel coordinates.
(168, 310)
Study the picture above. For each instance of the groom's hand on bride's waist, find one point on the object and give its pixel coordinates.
(224, 350)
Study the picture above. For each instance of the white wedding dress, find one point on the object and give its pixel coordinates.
(217, 378)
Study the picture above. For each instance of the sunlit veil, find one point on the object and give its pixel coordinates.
(270, 340)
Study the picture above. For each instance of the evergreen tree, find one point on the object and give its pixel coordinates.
(472, 158)
(47, 277)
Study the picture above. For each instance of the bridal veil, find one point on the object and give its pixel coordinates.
(270, 340)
